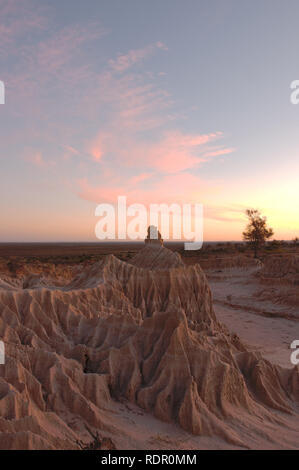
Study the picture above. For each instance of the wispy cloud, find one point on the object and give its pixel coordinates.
(125, 61)
(140, 178)
(219, 152)
(135, 106)
(57, 52)
(69, 151)
(172, 152)
(18, 18)
(46, 58)
(37, 159)
(96, 147)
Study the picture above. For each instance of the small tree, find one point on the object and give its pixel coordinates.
(296, 241)
(257, 232)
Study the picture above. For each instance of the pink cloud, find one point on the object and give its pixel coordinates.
(177, 151)
(55, 52)
(97, 146)
(70, 151)
(179, 188)
(48, 62)
(99, 194)
(125, 61)
(140, 178)
(18, 19)
(173, 152)
(232, 213)
(38, 160)
(137, 106)
(133, 103)
(217, 153)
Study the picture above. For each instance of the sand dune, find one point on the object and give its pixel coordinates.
(145, 334)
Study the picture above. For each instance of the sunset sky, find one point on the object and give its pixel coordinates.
(160, 100)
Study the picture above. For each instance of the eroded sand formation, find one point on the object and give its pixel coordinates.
(143, 333)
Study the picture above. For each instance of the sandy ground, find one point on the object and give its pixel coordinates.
(137, 429)
(264, 325)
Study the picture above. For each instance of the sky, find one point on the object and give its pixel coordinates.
(161, 101)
